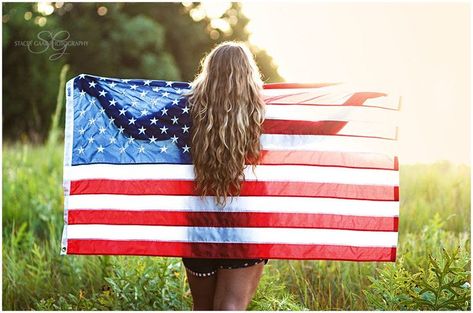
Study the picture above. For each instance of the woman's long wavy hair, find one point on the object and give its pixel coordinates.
(227, 113)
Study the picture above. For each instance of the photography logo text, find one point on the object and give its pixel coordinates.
(56, 42)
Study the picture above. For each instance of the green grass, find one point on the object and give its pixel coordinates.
(435, 214)
(442, 188)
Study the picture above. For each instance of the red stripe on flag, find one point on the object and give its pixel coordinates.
(248, 188)
(291, 127)
(231, 250)
(232, 219)
(396, 163)
(396, 192)
(328, 158)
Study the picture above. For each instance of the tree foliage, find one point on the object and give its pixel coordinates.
(135, 40)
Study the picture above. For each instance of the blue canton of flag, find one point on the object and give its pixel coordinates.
(130, 121)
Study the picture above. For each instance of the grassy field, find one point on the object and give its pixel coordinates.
(432, 271)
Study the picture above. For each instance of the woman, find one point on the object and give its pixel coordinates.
(227, 115)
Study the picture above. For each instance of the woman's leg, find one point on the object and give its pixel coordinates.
(202, 290)
(236, 287)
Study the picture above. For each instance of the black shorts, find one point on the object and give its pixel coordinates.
(208, 267)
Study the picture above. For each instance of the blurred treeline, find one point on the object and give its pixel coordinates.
(127, 40)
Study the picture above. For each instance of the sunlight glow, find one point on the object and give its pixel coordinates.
(214, 9)
(45, 8)
(400, 48)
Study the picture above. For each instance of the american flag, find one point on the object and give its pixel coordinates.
(327, 186)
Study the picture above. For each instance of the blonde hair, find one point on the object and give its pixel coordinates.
(227, 113)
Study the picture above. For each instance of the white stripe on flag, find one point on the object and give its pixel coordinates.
(331, 113)
(328, 143)
(369, 129)
(289, 173)
(234, 235)
(239, 204)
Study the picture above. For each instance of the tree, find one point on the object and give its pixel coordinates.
(234, 24)
(29, 76)
(134, 40)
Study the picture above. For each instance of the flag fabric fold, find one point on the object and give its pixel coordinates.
(327, 186)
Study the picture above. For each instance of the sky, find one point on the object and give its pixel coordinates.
(417, 50)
